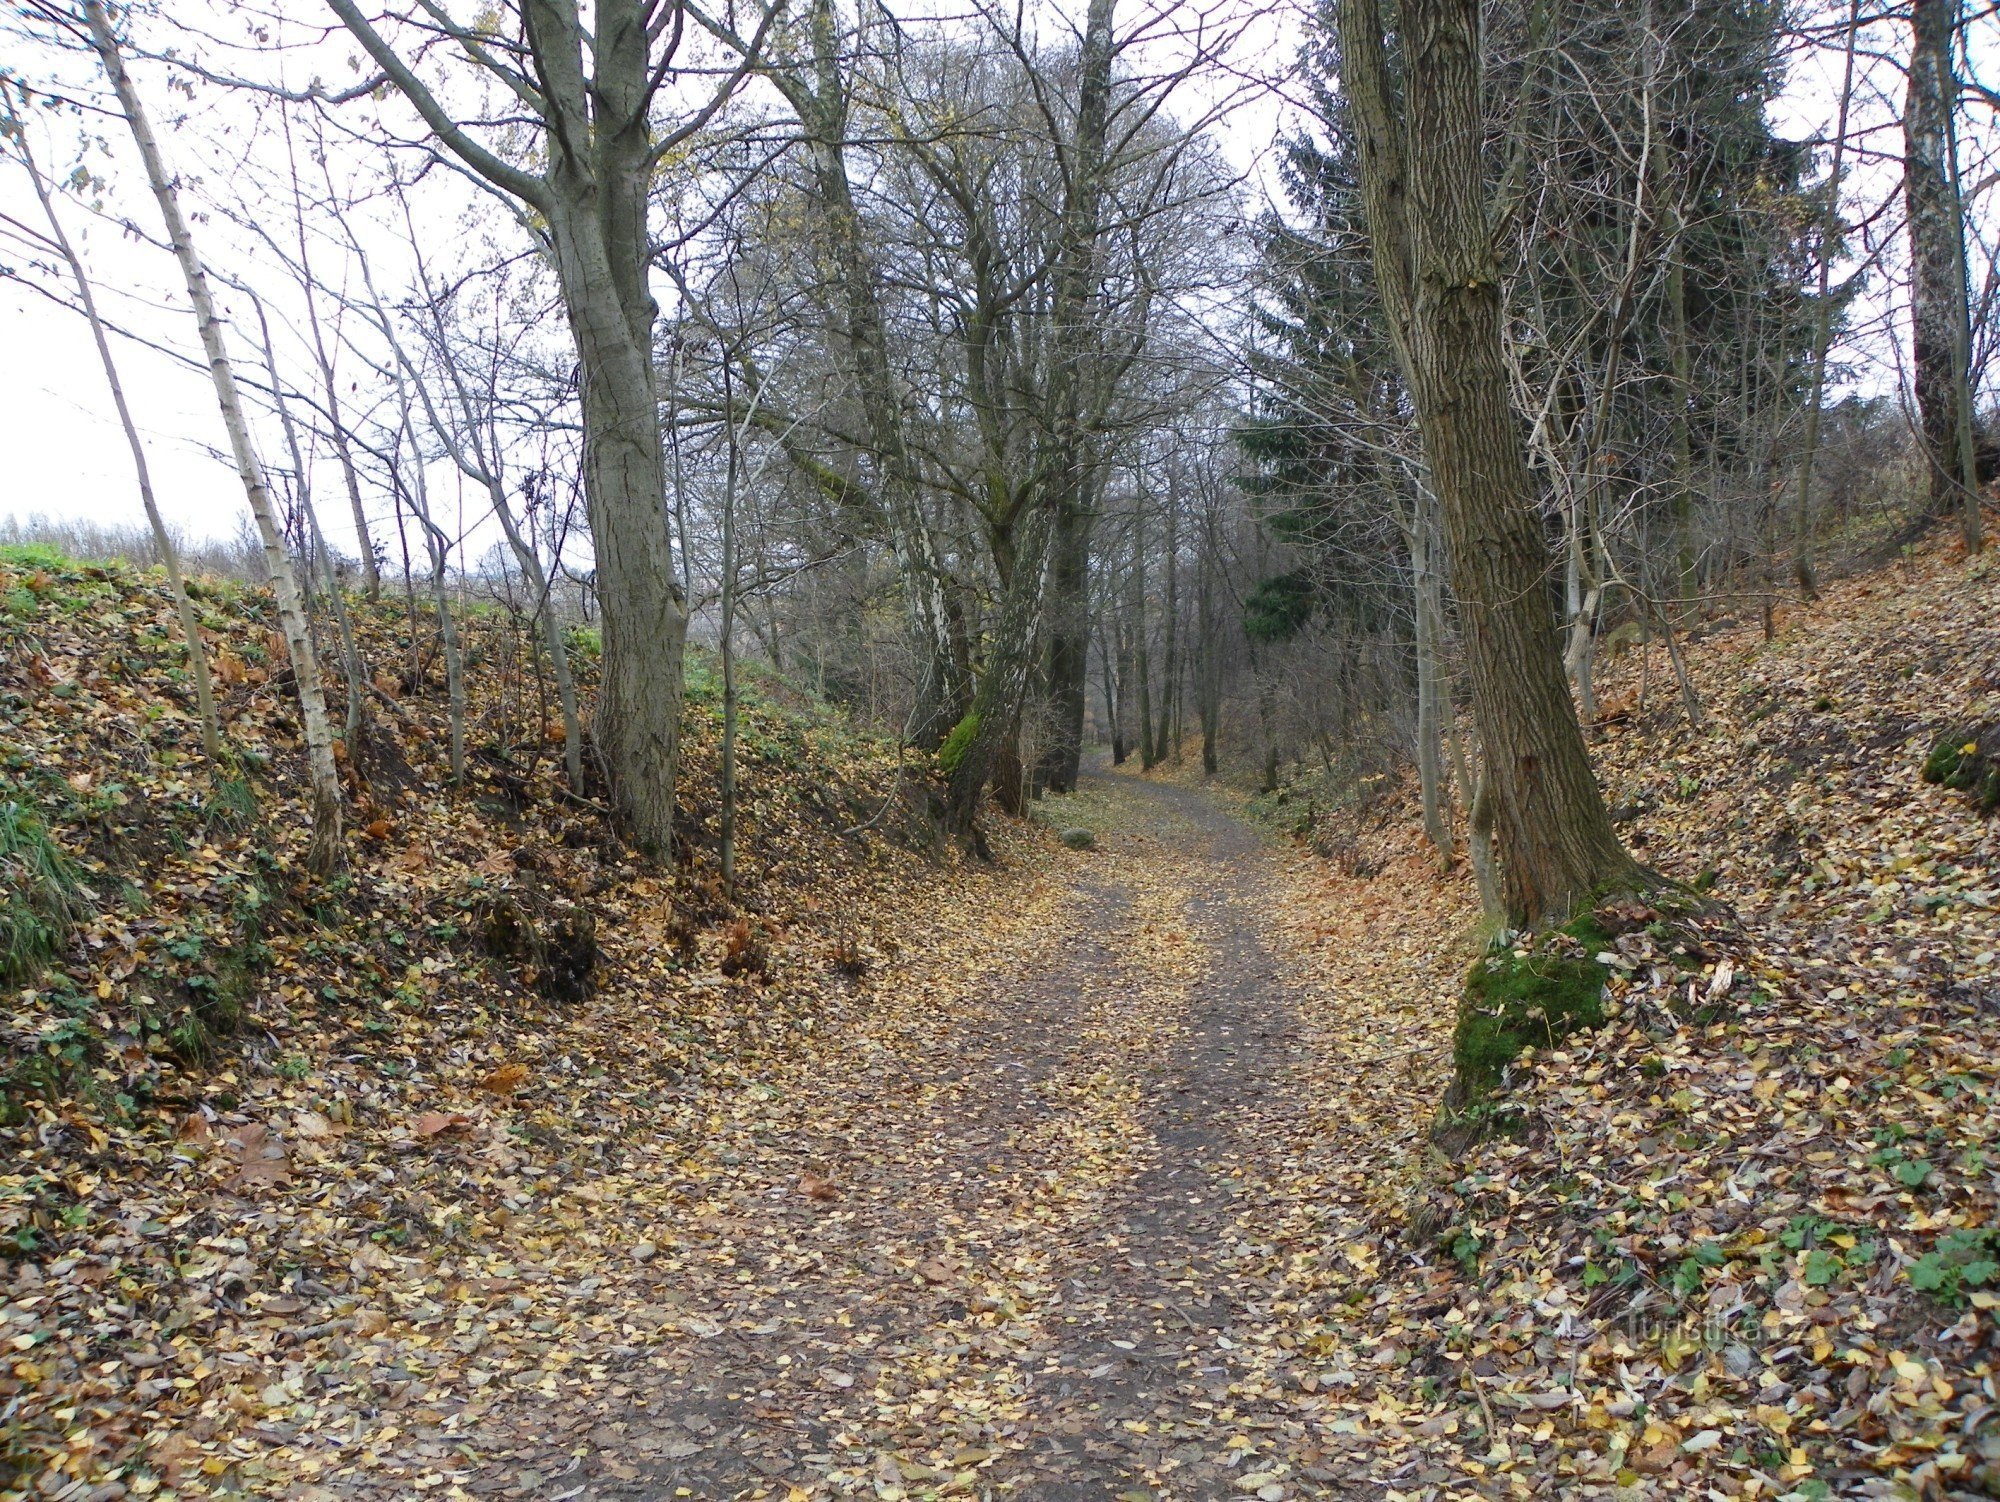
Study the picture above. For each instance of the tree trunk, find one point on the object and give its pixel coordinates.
(1142, 657)
(597, 140)
(1106, 654)
(726, 833)
(644, 620)
(1939, 314)
(1072, 469)
(324, 852)
(476, 450)
(1168, 738)
(992, 723)
(1066, 663)
(943, 677)
(1432, 706)
(1435, 267)
(1209, 702)
(1478, 830)
(1681, 362)
(350, 654)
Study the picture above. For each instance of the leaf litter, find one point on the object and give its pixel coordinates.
(1113, 1170)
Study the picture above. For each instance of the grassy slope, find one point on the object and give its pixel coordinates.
(244, 1115)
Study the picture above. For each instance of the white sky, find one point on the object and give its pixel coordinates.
(66, 456)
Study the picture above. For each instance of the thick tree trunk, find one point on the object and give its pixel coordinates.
(323, 777)
(1939, 316)
(1432, 705)
(1072, 467)
(1066, 662)
(644, 620)
(597, 140)
(1439, 280)
(1168, 739)
(992, 722)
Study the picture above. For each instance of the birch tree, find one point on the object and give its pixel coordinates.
(325, 850)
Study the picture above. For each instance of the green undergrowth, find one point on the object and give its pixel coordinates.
(779, 722)
(41, 895)
(36, 555)
(1967, 758)
(1962, 1263)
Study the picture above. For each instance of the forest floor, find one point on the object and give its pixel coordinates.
(1089, 1174)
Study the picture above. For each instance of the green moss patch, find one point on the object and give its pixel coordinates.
(1533, 995)
(1967, 757)
(952, 753)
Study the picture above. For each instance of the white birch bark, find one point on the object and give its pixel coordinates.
(324, 852)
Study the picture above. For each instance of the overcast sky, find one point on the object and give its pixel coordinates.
(64, 453)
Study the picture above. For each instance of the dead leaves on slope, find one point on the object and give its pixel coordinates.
(1743, 1247)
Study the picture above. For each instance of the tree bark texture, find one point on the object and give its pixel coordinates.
(1424, 189)
(1939, 316)
(1072, 464)
(598, 145)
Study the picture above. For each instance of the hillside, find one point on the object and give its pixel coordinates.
(1743, 1240)
(1114, 1169)
(240, 1113)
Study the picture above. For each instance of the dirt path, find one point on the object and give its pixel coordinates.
(996, 1248)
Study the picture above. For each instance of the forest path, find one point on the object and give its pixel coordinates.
(1005, 1244)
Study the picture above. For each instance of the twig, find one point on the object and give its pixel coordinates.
(1492, 1428)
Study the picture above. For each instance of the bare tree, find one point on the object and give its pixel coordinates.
(325, 849)
(589, 91)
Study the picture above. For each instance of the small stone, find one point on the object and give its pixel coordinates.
(645, 1251)
(1079, 839)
